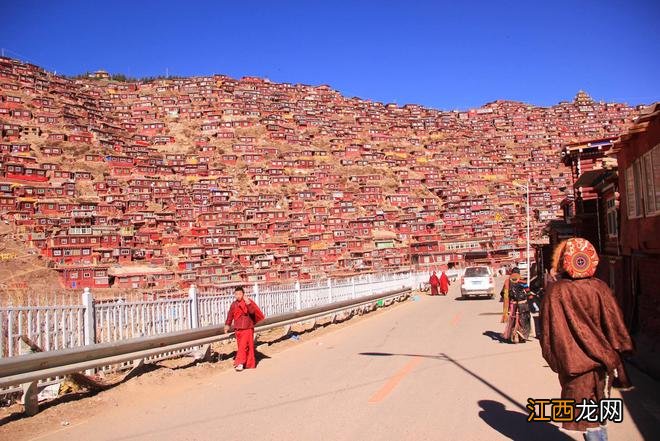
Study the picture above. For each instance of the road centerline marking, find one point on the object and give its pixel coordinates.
(394, 381)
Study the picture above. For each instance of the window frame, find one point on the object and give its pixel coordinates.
(612, 218)
(652, 169)
(634, 208)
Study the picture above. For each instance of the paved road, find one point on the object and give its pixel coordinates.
(423, 370)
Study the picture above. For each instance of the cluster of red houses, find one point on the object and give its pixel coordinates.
(208, 180)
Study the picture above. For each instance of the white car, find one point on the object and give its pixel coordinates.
(477, 281)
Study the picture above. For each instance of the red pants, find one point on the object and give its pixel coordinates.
(245, 351)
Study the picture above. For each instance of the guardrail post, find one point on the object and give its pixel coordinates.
(194, 307)
(30, 398)
(89, 318)
(329, 291)
(298, 299)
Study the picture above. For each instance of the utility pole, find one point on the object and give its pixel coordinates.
(529, 269)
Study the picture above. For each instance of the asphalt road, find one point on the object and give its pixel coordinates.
(423, 370)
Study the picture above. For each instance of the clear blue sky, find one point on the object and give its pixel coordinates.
(447, 55)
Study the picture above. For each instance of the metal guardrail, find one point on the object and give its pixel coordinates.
(56, 327)
(27, 369)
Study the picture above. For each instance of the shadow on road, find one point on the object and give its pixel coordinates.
(514, 425)
(509, 423)
(641, 403)
(495, 336)
(445, 357)
(260, 356)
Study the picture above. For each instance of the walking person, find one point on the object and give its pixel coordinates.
(583, 334)
(444, 284)
(514, 277)
(435, 284)
(516, 310)
(244, 314)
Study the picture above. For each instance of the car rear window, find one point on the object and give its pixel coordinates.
(479, 271)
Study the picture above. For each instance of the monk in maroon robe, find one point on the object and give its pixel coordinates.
(444, 284)
(583, 333)
(244, 314)
(435, 284)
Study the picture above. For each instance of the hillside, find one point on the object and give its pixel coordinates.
(160, 184)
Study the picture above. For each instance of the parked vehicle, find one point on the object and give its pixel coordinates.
(478, 281)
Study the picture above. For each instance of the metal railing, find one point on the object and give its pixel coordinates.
(50, 327)
(30, 369)
(59, 327)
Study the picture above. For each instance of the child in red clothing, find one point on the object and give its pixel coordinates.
(244, 314)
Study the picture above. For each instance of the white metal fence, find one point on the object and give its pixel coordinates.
(50, 327)
(59, 327)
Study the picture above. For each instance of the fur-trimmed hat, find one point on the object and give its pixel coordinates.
(576, 257)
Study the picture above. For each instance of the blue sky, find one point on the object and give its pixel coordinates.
(447, 55)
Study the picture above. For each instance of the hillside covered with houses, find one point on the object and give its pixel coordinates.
(157, 185)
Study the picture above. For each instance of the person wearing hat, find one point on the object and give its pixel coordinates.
(514, 277)
(583, 335)
(516, 310)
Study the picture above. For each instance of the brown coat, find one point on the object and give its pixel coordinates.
(583, 337)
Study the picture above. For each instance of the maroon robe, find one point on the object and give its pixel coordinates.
(435, 283)
(582, 339)
(444, 284)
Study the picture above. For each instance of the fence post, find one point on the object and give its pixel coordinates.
(353, 287)
(298, 299)
(255, 293)
(89, 318)
(329, 291)
(194, 307)
(89, 322)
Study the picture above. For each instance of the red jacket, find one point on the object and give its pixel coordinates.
(244, 316)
